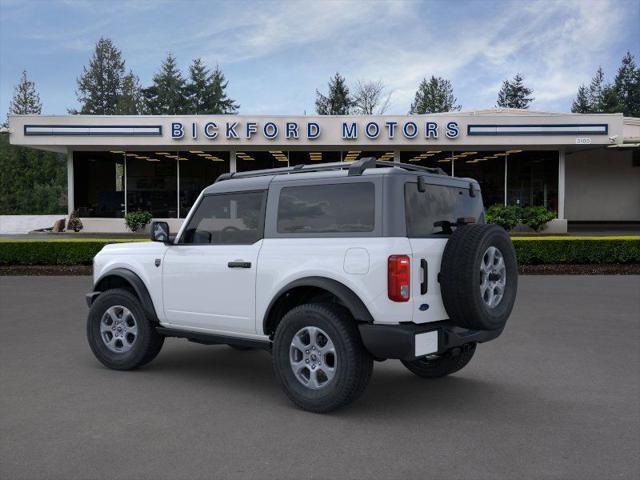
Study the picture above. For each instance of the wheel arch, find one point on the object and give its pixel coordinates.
(295, 293)
(124, 278)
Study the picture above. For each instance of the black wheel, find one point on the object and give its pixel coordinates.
(479, 277)
(119, 333)
(319, 358)
(435, 366)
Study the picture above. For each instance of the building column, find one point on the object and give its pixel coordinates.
(561, 183)
(506, 178)
(70, 183)
(232, 161)
(396, 155)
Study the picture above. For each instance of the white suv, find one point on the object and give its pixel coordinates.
(328, 266)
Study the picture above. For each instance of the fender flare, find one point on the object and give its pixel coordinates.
(136, 283)
(347, 296)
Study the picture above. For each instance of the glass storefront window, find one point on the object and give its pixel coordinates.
(99, 184)
(311, 157)
(432, 158)
(260, 160)
(197, 170)
(532, 179)
(485, 167)
(355, 154)
(152, 184)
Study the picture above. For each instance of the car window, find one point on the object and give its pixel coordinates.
(234, 218)
(342, 208)
(424, 210)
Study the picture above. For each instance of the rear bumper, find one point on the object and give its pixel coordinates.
(405, 340)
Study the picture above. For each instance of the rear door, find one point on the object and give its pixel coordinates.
(427, 214)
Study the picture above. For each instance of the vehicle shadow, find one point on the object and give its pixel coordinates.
(391, 389)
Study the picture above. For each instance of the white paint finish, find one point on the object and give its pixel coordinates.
(200, 290)
(561, 182)
(285, 260)
(602, 185)
(430, 249)
(70, 183)
(16, 224)
(426, 343)
(356, 261)
(139, 257)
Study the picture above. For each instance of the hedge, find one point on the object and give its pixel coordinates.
(73, 251)
(577, 250)
(530, 250)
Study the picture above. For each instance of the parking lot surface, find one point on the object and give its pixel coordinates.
(556, 396)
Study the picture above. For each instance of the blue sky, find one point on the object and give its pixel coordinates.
(275, 54)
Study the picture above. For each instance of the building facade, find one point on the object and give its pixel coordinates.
(583, 167)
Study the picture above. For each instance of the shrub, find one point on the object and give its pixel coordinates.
(536, 217)
(505, 216)
(511, 215)
(577, 250)
(75, 223)
(137, 220)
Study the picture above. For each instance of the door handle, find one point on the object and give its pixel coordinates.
(425, 276)
(239, 264)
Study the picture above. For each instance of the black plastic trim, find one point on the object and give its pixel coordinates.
(344, 294)
(136, 283)
(214, 339)
(398, 341)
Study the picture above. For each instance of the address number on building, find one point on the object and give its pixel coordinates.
(583, 141)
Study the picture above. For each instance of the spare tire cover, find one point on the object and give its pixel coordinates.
(479, 277)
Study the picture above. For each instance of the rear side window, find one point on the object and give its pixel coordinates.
(339, 208)
(438, 203)
(227, 219)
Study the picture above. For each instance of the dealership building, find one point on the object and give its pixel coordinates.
(586, 168)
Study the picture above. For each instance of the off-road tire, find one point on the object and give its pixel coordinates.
(148, 341)
(460, 277)
(446, 364)
(353, 363)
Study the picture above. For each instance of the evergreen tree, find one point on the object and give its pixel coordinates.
(596, 91)
(130, 101)
(100, 85)
(627, 86)
(167, 95)
(514, 94)
(218, 100)
(25, 99)
(433, 96)
(581, 104)
(206, 92)
(338, 101)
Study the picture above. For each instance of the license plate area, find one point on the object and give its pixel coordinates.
(426, 343)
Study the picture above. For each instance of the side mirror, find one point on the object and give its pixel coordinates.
(160, 232)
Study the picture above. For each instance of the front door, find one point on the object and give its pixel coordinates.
(209, 276)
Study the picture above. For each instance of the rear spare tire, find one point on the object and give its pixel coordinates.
(479, 277)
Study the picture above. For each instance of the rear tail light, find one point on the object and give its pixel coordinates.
(399, 269)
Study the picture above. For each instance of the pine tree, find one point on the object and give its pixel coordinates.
(514, 94)
(167, 95)
(596, 91)
(25, 99)
(627, 86)
(434, 95)
(338, 101)
(206, 92)
(99, 86)
(130, 101)
(581, 104)
(218, 100)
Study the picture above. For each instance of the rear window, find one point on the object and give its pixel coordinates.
(339, 208)
(438, 203)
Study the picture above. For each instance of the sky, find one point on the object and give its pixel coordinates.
(276, 54)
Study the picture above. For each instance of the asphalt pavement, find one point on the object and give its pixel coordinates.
(556, 396)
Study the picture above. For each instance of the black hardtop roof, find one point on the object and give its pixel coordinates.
(260, 179)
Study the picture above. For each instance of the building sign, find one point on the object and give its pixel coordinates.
(293, 130)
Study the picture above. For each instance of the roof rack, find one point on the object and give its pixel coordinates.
(355, 168)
